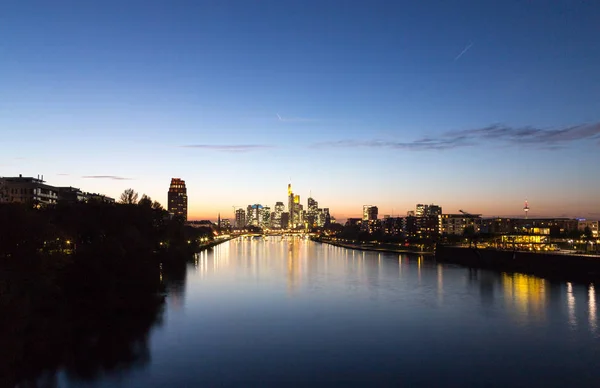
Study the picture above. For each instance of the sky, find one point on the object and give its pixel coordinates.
(472, 105)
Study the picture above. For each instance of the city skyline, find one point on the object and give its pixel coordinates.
(470, 107)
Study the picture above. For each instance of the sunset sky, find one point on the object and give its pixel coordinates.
(459, 103)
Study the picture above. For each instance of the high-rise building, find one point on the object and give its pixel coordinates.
(240, 218)
(312, 212)
(265, 217)
(276, 218)
(290, 206)
(285, 220)
(177, 198)
(254, 215)
(370, 212)
(428, 210)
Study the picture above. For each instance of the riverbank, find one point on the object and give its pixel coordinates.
(376, 247)
(582, 268)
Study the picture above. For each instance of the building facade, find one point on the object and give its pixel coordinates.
(177, 198)
(27, 190)
(240, 218)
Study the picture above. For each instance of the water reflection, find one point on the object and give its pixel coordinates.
(526, 295)
(312, 311)
(592, 309)
(571, 306)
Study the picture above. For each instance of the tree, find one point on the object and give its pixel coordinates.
(129, 197)
(157, 206)
(469, 233)
(587, 233)
(145, 201)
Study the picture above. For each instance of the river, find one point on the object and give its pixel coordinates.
(273, 312)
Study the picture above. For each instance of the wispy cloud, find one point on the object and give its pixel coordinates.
(540, 138)
(294, 119)
(229, 147)
(463, 52)
(113, 177)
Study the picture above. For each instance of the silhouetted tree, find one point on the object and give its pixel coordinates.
(129, 197)
(145, 201)
(157, 206)
(469, 233)
(587, 233)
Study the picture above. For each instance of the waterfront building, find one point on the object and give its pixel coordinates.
(455, 224)
(240, 218)
(276, 218)
(265, 217)
(177, 198)
(225, 224)
(582, 224)
(254, 215)
(393, 226)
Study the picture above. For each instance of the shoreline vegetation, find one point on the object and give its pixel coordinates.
(82, 285)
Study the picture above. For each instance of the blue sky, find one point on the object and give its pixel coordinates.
(473, 105)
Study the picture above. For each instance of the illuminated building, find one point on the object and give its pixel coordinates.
(276, 217)
(265, 217)
(254, 215)
(369, 213)
(177, 198)
(455, 224)
(312, 213)
(593, 225)
(292, 220)
(393, 226)
(240, 218)
(225, 224)
(428, 210)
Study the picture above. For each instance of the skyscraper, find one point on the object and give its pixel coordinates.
(312, 212)
(177, 198)
(290, 206)
(276, 219)
(240, 218)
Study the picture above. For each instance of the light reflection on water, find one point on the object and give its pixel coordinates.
(275, 312)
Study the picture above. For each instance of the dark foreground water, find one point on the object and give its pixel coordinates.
(297, 313)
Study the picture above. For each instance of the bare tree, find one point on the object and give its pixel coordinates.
(129, 197)
(157, 206)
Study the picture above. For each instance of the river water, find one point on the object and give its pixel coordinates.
(291, 312)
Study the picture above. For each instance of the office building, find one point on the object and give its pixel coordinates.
(177, 198)
(276, 217)
(265, 217)
(254, 215)
(285, 220)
